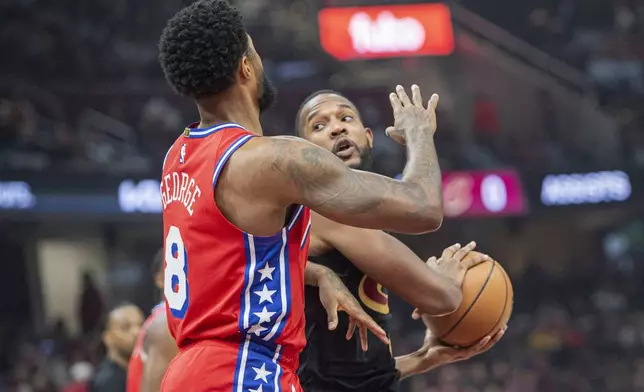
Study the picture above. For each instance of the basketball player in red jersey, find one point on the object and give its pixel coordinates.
(235, 209)
(155, 347)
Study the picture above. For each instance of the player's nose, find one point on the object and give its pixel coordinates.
(336, 129)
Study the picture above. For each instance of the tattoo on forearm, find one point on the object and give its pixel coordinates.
(359, 192)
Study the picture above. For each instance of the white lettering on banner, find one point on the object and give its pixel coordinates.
(386, 33)
(16, 195)
(179, 187)
(139, 197)
(586, 188)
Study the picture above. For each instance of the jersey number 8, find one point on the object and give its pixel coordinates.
(175, 285)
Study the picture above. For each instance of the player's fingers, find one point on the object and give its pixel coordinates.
(391, 132)
(332, 316)
(432, 261)
(352, 328)
(416, 97)
(415, 314)
(449, 251)
(433, 103)
(364, 337)
(475, 260)
(495, 339)
(367, 322)
(395, 102)
(402, 95)
(461, 253)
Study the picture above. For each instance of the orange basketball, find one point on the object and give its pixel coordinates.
(486, 306)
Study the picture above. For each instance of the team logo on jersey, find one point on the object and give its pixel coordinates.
(182, 154)
(373, 295)
(186, 132)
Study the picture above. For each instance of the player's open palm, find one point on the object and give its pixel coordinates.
(410, 115)
(335, 296)
(454, 263)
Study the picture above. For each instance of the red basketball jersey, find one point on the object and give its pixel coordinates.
(222, 284)
(135, 367)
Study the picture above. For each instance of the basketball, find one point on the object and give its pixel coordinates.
(486, 306)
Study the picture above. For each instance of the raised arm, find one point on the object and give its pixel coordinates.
(296, 171)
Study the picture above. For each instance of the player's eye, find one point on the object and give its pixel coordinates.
(347, 118)
(318, 126)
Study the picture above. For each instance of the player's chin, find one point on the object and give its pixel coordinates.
(354, 162)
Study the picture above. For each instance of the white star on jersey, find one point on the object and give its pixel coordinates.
(262, 373)
(264, 315)
(257, 329)
(265, 295)
(266, 272)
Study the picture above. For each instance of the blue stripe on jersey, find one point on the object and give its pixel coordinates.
(197, 133)
(305, 237)
(258, 368)
(265, 306)
(226, 155)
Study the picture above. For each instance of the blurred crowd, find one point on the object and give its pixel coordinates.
(581, 332)
(82, 89)
(604, 38)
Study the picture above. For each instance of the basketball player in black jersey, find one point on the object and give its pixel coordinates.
(330, 362)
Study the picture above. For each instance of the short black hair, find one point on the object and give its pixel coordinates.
(107, 318)
(201, 47)
(157, 262)
(308, 99)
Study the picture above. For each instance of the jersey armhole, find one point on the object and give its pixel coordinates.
(221, 162)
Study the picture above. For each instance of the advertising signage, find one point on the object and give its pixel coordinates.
(585, 188)
(484, 193)
(386, 31)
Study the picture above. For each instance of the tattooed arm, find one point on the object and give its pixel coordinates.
(300, 172)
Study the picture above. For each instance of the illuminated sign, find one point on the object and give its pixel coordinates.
(482, 193)
(585, 188)
(386, 31)
(16, 195)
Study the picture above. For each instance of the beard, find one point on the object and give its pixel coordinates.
(366, 159)
(267, 93)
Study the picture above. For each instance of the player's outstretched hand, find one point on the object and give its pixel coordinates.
(433, 353)
(452, 264)
(335, 296)
(410, 115)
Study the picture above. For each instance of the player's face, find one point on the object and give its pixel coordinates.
(332, 122)
(124, 327)
(266, 91)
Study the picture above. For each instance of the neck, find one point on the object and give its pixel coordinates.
(230, 106)
(116, 358)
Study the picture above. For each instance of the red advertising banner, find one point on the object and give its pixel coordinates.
(483, 193)
(386, 31)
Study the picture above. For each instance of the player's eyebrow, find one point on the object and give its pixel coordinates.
(313, 112)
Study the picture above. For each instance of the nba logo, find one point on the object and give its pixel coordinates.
(182, 155)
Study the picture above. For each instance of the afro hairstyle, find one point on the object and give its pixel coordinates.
(309, 98)
(201, 47)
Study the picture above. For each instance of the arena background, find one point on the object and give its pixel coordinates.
(540, 139)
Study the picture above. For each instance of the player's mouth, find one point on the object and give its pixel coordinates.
(344, 148)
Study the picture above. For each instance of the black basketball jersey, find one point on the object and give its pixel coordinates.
(329, 362)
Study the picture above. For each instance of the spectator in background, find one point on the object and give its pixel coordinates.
(121, 330)
(91, 306)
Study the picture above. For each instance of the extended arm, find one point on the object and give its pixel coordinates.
(160, 348)
(296, 171)
(392, 264)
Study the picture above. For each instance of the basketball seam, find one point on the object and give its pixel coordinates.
(478, 295)
(505, 301)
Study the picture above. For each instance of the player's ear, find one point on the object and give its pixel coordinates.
(245, 68)
(369, 136)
